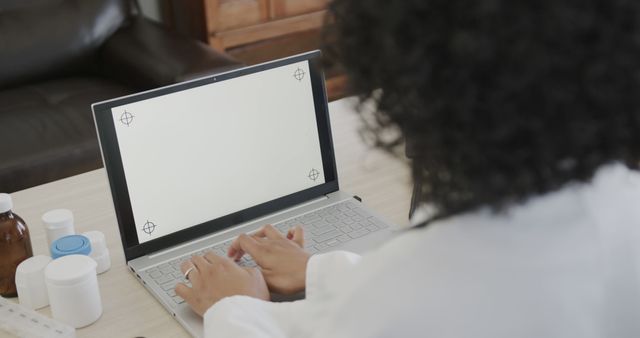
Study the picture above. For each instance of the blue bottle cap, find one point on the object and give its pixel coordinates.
(70, 245)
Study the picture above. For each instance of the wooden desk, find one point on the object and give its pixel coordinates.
(129, 310)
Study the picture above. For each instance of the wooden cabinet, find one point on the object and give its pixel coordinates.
(225, 15)
(286, 8)
(233, 23)
(255, 31)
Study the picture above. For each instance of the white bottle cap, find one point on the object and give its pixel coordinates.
(58, 223)
(6, 204)
(32, 291)
(99, 251)
(58, 218)
(71, 270)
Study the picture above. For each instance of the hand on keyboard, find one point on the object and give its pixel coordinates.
(282, 259)
(213, 277)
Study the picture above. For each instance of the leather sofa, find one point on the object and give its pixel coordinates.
(57, 57)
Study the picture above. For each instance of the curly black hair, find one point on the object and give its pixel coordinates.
(501, 100)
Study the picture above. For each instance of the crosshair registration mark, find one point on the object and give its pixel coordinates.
(314, 174)
(299, 74)
(126, 118)
(148, 227)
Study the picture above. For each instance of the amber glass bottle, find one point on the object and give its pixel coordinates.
(15, 246)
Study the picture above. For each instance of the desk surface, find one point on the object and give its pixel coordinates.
(382, 181)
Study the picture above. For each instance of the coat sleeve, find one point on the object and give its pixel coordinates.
(325, 271)
(242, 316)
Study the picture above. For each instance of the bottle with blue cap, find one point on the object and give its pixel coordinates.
(70, 245)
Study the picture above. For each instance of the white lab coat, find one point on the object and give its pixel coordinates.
(561, 265)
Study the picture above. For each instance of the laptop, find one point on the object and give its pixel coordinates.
(193, 165)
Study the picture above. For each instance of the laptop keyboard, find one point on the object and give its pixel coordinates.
(323, 229)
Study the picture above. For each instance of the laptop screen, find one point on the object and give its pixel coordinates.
(197, 157)
(198, 154)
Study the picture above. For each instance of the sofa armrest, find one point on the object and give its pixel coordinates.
(146, 55)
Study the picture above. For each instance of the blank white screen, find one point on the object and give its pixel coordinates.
(202, 153)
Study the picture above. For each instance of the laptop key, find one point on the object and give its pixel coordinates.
(344, 238)
(168, 286)
(163, 279)
(320, 247)
(331, 219)
(310, 218)
(346, 229)
(319, 223)
(359, 233)
(155, 274)
(333, 242)
(324, 230)
(378, 223)
(177, 299)
(327, 236)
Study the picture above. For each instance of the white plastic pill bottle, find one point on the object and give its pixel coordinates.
(72, 285)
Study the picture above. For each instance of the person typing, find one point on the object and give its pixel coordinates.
(524, 124)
